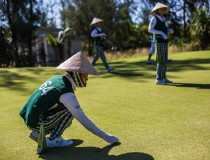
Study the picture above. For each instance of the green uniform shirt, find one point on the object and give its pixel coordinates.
(45, 97)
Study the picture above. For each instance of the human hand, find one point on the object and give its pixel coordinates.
(103, 35)
(164, 36)
(170, 30)
(111, 139)
(108, 137)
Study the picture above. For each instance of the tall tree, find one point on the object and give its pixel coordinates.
(22, 17)
(200, 27)
(57, 44)
(11, 22)
(6, 50)
(122, 31)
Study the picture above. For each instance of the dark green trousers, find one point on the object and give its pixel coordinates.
(162, 58)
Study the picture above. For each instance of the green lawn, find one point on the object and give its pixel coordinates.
(152, 122)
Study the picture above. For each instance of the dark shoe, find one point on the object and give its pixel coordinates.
(149, 62)
(169, 60)
(34, 136)
(160, 82)
(110, 69)
(167, 81)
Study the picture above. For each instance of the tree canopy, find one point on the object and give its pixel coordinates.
(125, 22)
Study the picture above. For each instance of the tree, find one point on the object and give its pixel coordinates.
(200, 28)
(57, 44)
(123, 31)
(6, 48)
(21, 18)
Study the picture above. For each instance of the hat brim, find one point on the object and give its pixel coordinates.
(160, 6)
(95, 21)
(78, 63)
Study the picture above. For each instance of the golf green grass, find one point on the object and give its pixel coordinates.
(153, 122)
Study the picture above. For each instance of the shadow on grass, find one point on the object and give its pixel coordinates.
(16, 80)
(191, 64)
(191, 85)
(135, 71)
(127, 70)
(91, 153)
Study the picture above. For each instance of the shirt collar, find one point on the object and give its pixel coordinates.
(160, 17)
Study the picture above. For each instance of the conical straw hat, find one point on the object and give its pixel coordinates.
(78, 63)
(96, 20)
(159, 6)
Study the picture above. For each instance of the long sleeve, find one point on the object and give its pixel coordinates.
(94, 33)
(151, 28)
(70, 102)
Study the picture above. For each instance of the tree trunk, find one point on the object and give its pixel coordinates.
(14, 33)
(90, 47)
(185, 33)
(30, 34)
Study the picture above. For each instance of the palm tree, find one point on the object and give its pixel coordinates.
(57, 44)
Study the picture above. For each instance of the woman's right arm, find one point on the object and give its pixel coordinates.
(70, 102)
(94, 34)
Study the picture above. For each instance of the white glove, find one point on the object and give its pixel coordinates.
(108, 137)
(164, 35)
(103, 35)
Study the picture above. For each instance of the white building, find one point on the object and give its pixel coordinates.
(47, 55)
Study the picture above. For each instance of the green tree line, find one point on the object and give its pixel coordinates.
(125, 22)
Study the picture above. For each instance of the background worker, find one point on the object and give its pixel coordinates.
(99, 36)
(158, 27)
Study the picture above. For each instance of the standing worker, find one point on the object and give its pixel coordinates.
(158, 27)
(99, 36)
(54, 105)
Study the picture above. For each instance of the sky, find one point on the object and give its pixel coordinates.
(53, 11)
(56, 11)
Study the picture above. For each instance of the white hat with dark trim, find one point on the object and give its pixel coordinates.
(78, 63)
(159, 6)
(96, 20)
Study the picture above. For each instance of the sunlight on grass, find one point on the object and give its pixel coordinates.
(152, 122)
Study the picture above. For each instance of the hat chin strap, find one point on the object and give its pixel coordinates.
(78, 80)
(71, 80)
(75, 79)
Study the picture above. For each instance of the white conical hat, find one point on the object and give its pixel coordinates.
(78, 63)
(95, 20)
(159, 6)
